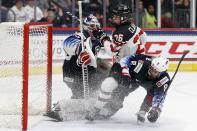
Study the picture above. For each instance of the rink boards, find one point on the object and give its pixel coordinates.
(171, 43)
(168, 42)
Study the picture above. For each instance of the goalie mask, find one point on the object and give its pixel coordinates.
(91, 23)
(122, 12)
(158, 65)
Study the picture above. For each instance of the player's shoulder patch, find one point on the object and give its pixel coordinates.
(162, 81)
(133, 62)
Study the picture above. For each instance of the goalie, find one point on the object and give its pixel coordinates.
(132, 72)
(72, 67)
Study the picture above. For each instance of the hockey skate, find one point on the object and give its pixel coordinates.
(54, 115)
(141, 116)
(92, 115)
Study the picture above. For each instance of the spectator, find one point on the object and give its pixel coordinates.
(167, 6)
(183, 4)
(5, 5)
(182, 15)
(59, 11)
(149, 19)
(99, 16)
(167, 21)
(141, 14)
(43, 5)
(30, 9)
(67, 4)
(8, 3)
(4, 14)
(18, 13)
(53, 18)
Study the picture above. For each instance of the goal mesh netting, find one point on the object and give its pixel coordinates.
(25, 73)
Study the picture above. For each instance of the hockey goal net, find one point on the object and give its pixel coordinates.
(25, 73)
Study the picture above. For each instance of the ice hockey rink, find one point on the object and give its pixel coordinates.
(179, 111)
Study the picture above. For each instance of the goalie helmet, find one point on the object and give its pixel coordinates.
(91, 23)
(158, 65)
(123, 11)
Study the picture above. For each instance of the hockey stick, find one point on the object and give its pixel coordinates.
(177, 68)
(84, 67)
(76, 19)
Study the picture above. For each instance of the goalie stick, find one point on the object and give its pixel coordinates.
(84, 67)
(79, 20)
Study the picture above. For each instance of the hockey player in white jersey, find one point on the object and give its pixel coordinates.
(127, 38)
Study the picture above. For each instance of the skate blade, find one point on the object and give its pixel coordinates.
(140, 122)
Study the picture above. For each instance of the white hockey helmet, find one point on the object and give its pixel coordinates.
(91, 23)
(160, 63)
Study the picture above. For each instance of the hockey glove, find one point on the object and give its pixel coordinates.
(84, 58)
(153, 114)
(100, 34)
(126, 81)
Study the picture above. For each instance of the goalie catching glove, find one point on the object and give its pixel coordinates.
(84, 58)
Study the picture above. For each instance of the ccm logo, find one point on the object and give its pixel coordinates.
(173, 50)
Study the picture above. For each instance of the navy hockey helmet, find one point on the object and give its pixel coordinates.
(123, 11)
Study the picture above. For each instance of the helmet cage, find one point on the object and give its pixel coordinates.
(91, 23)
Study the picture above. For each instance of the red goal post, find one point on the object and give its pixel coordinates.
(29, 73)
(26, 69)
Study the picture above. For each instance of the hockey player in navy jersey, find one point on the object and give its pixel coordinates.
(125, 77)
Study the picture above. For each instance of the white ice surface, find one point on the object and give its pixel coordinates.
(179, 111)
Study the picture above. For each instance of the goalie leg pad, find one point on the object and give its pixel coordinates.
(72, 109)
(107, 87)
